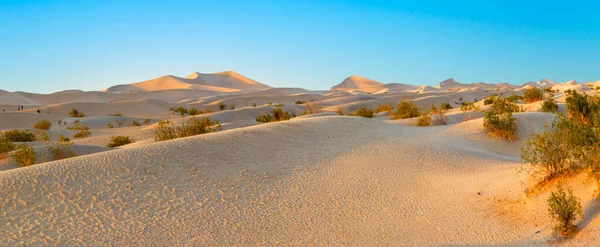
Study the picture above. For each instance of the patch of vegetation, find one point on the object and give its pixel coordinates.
(167, 131)
(445, 106)
(77, 126)
(299, 102)
(119, 122)
(277, 114)
(82, 134)
(549, 105)
(564, 209)
(406, 109)
(193, 112)
(500, 122)
(61, 150)
(25, 155)
(116, 114)
(514, 98)
(117, 141)
(5, 147)
(180, 110)
(221, 106)
(232, 107)
(63, 138)
(147, 121)
(533, 94)
(16, 135)
(110, 125)
(312, 108)
(254, 104)
(75, 113)
(423, 120)
(43, 125)
(384, 108)
(363, 112)
(135, 123)
(582, 106)
(340, 111)
(41, 136)
(440, 117)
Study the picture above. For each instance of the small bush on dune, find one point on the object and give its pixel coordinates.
(116, 114)
(440, 117)
(83, 134)
(406, 109)
(77, 126)
(549, 105)
(117, 141)
(167, 131)
(16, 135)
(61, 150)
(533, 94)
(276, 115)
(5, 147)
(164, 131)
(110, 125)
(312, 108)
(564, 209)
(75, 113)
(500, 122)
(232, 107)
(43, 125)
(41, 136)
(221, 106)
(119, 122)
(384, 108)
(299, 102)
(254, 104)
(423, 120)
(193, 112)
(446, 106)
(548, 89)
(182, 111)
(489, 100)
(135, 123)
(60, 122)
(363, 112)
(25, 155)
(340, 111)
(63, 138)
(582, 106)
(514, 98)
(147, 121)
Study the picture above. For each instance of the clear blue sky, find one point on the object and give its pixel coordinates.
(51, 45)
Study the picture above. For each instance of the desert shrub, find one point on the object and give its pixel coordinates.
(514, 98)
(181, 110)
(75, 113)
(299, 102)
(61, 150)
(582, 106)
(5, 147)
(406, 109)
(116, 114)
(16, 135)
(25, 155)
(549, 105)
(533, 94)
(60, 122)
(597, 88)
(43, 125)
(167, 131)
(110, 125)
(440, 117)
(568, 146)
(254, 104)
(564, 209)
(469, 107)
(41, 136)
(82, 134)
(147, 121)
(548, 89)
(423, 120)
(135, 123)
(384, 108)
(193, 112)
(221, 106)
(500, 122)
(489, 100)
(446, 106)
(63, 138)
(277, 114)
(312, 108)
(363, 112)
(232, 107)
(77, 126)
(119, 122)
(117, 141)
(340, 111)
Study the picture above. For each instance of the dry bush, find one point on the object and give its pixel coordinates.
(60, 122)
(299, 102)
(182, 111)
(75, 113)
(340, 111)
(147, 121)
(61, 150)
(25, 155)
(500, 122)
(424, 120)
(582, 106)
(564, 209)
(514, 98)
(77, 126)
(533, 94)
(167, 131)
(193, 112)
(63, 138)
(445, 106)
(116, 114)
(43, 125)
(117, 141)
(5, 147)
(312, 108)
(164, 131)
(276, 115)
(363, 112)
(110, 125)
(406, 109)
(119, 122)
(82, 134)
(440, 117)
(384, 108)
(221, 106)
(135, 123)
(16, 135)
(549, 105)
(41, 136)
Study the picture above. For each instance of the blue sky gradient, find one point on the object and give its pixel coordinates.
(47, 46)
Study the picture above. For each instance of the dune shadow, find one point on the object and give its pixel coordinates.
(591, 213)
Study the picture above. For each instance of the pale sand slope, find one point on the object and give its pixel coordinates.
(312, 181)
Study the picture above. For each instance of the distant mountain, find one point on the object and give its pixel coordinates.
(228, 81)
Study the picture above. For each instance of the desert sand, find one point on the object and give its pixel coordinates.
(315, 180)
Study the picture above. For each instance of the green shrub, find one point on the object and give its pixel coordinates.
(83, 134)
(147, 121)
(193, 112)
(63, 138)
(167, 131)
(75, 113)
(384, 108)
(110, 125)
(61, 150)
(221, 106)
(254, 104)
(406, 109)
(60, 122)
(340, 111)
(276, 115)
(5, 147)
(16, 135)
(77, 126)
(364, 112)
(182, 111)
(116, 114)
(548, 89)
(514, 98)
(43, 125)
(135, 123)
(25, 155)
(423, 120)
(489, 100)
(549, 105)
(446, 106)
(582, 106)
(533, 94)
(500, 122)
(311, 108)
(41, 136)
(299, 102)
(232, 107)
(564, 209)
(117, 141)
